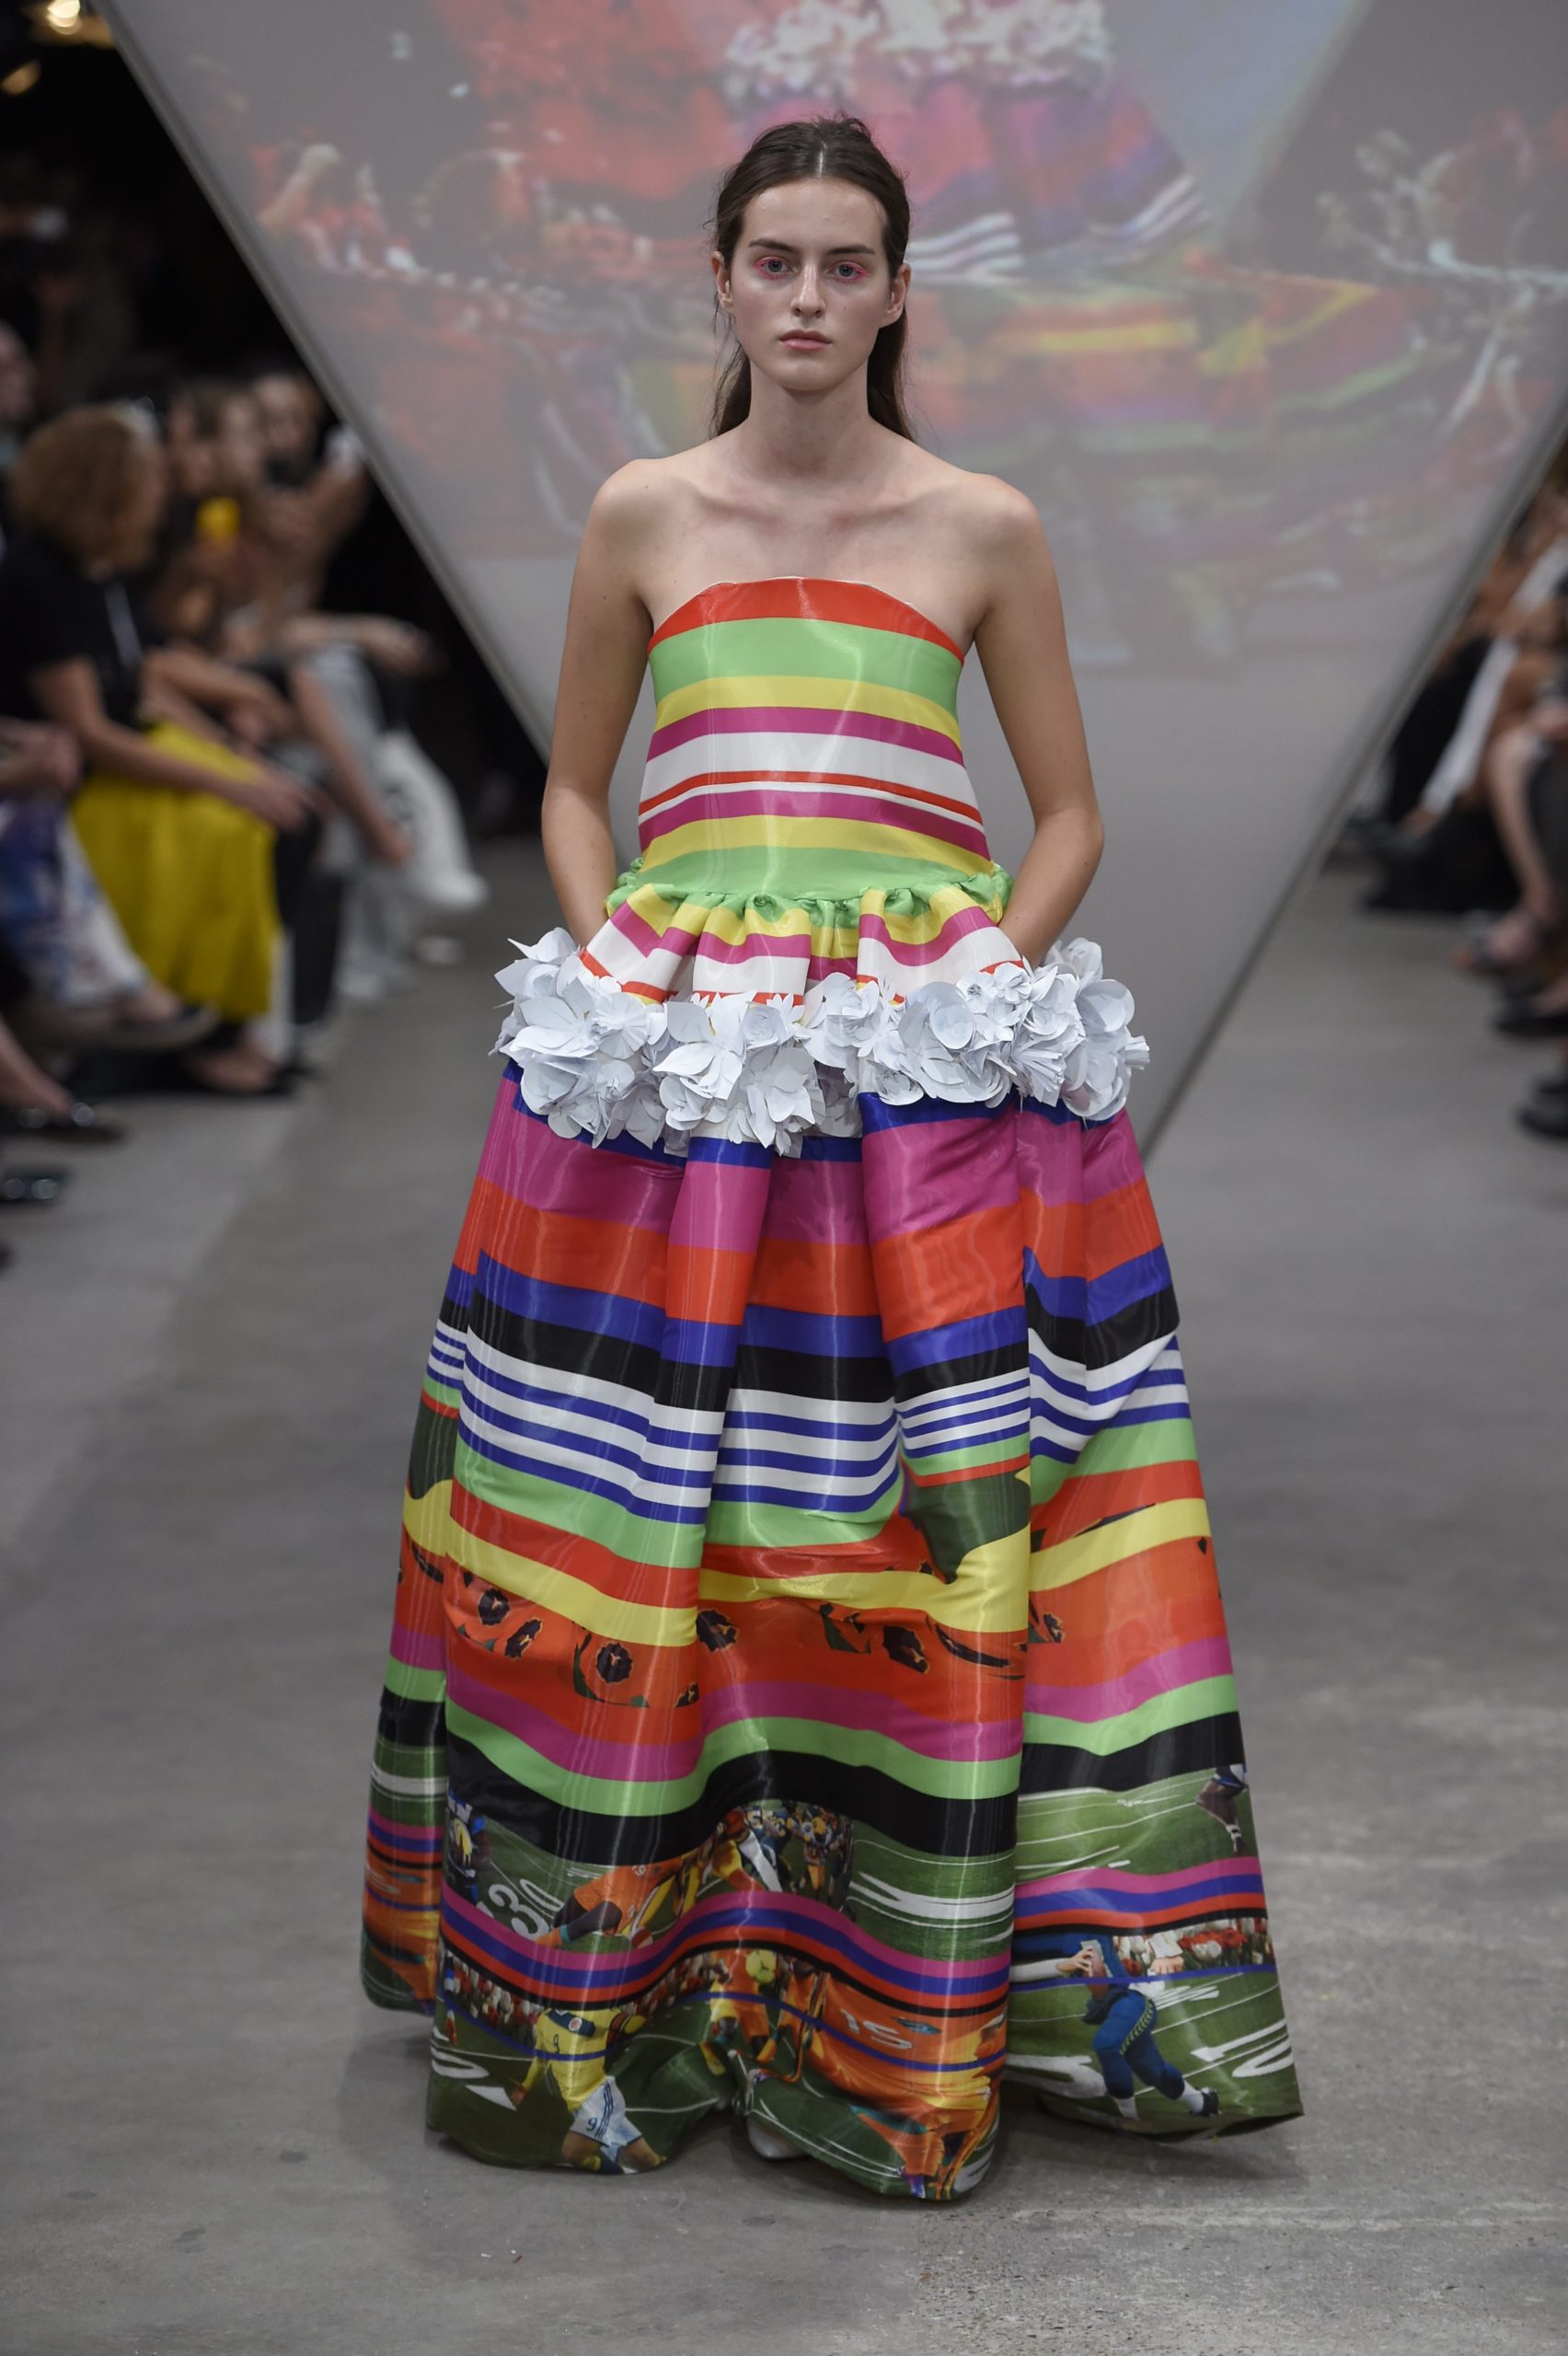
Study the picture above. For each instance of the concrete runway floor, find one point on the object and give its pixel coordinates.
(213, 2147)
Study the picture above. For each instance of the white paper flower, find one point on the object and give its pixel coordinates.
(599, 1061)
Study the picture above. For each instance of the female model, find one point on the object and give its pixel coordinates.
(809, 1691)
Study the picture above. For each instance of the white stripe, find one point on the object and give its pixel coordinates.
(409, 1788)
(760, 750)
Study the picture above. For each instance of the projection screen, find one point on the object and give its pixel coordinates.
(1264, 305)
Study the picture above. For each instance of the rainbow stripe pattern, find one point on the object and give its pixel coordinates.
(809, 1691)
(805, 805)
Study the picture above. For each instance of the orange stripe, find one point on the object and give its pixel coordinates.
(826, 1279)
(1091, 1239)
(1125, 1614)
(598, 1254)
(1088, 1497)
(937, 1274)
(782, 597)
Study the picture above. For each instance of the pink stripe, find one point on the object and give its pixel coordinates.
(654, 1763)
(1064, 1162)
(924, 1173)
(963, 920)
(721, 1208)
(795, 945)
(527, 1160)
(416, 1651)
(679, 941)
(864, 810)
(1164, 1673)
(800, 719)
(809, 1912)
(435, 1833)
(815, 1202)
(649, 1763)
(833, 1705)
(1118, 1877)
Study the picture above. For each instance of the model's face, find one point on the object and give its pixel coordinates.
(809, 289)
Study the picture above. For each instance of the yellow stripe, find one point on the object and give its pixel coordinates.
(1134, 1533)
(773, 688)
(985, 1598)
(660, 910)
(810, 834)
(428, 1522)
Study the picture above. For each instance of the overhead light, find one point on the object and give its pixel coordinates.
(63, 15)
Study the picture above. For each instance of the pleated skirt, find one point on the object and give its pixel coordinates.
(809, 1693)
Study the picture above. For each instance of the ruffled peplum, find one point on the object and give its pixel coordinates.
(759, 1020)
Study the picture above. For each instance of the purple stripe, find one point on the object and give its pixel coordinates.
(1164, 1673)
(816, 1202)
(801, 720)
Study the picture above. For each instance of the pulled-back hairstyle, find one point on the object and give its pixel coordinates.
(829, 148)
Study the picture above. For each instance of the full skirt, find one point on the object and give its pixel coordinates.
(809, 1691)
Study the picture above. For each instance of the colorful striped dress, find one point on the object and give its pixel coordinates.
(809, 1693)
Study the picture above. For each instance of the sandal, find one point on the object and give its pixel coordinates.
(83, 1123)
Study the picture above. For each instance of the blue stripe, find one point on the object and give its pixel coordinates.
(1001, 1332)
(1093, 1300)
(876, 1115)
(810, 1334)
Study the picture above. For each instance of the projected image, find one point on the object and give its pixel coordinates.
(519, 285)
(1265, 308)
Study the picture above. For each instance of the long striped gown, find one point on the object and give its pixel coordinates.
(809, 1691)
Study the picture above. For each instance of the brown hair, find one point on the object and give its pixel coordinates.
(829, 148)
(78, 482)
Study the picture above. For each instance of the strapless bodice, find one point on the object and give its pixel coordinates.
(814, 911)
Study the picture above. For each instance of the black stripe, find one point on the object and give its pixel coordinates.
(1179, 1750)
(936, 1827)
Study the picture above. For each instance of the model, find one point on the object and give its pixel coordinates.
(809, 1691)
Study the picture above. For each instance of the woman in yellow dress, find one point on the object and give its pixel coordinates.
(178, 827)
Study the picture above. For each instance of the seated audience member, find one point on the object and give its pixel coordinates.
(1438, 848)
(180, 828)
(404, 852)
(85, 986)
(1520, 775)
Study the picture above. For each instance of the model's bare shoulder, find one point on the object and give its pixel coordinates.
(1007, 553)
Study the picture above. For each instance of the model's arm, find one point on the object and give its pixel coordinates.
(602, 666)
(1022, 645)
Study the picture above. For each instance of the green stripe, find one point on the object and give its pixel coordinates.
(743, 1523)
(620, 1796)
(790, 645)
(414, 1684)
(1211, 1697)
(668, 1547)
(1118, 1449)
